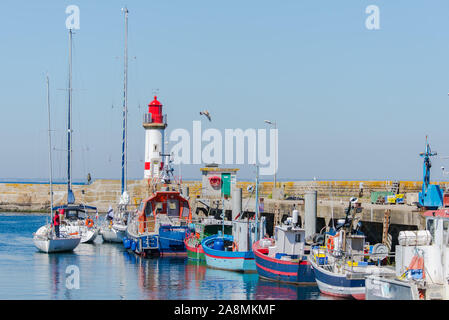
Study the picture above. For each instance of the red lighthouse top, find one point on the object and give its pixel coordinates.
(155, 108)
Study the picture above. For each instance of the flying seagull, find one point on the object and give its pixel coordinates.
(206, 113)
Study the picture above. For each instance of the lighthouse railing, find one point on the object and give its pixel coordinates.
(148, 118)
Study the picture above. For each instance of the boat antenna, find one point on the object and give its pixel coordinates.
(222, 213)
(49, 149)
(70, 195)
(124, 185)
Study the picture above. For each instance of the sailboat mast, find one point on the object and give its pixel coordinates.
(49, 149)
(125, 110)
(69, 124)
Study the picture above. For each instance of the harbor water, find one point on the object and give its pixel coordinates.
(107, 271)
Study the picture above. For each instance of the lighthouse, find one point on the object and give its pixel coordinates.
(154, 123)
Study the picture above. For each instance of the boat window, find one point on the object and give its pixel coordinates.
(159, 207)
(431, 227)
(298, 237)
(148, 210)
(71, 214)
(185, 209)
(173, 209)
(445, 230)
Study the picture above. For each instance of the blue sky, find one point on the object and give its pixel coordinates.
(350, 103)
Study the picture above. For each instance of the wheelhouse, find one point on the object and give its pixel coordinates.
(431, 225)
(163, 205)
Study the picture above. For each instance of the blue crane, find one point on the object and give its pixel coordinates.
(431, 196)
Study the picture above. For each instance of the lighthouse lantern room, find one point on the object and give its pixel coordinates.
(154, 123)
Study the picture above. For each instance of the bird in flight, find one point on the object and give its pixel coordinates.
(206, 113)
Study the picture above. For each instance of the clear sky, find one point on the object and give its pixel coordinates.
(350, 103)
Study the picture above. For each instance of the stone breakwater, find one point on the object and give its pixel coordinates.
(102, 193)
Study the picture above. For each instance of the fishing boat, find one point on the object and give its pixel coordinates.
(160, 225)
(342, 266)
(45, 238)
(114, 230)
(285, 258)
(421, 264)
(421, 260)
(201, 230)
(227, 252)
(76, 217)
(234, 252)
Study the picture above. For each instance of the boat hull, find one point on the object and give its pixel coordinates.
(337, 284)
(169, 241)
(296, 272)
(56, 245)
(112, 234)
(194, 249)
(89, 235)
(228, 260)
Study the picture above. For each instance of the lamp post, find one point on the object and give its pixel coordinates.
(275, 151)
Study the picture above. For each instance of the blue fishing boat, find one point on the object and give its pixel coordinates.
(222, 253)
(284, 258)
(234, 252)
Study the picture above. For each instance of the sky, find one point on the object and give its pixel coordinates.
(349, 102)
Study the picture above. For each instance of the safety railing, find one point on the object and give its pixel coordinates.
(148, 119)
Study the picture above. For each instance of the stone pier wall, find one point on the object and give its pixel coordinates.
(102, 193)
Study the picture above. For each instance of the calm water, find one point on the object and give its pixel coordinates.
(107, 271)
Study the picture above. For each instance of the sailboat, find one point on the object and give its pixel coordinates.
(45, 239)
(77, 218)
(115, 230)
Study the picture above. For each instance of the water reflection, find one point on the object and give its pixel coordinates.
(281, 291)
(50, 274)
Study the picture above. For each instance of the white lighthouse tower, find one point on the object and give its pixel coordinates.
(154, 123)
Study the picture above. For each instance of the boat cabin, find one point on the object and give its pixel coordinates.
(76, 212)
(244, 233)
(163, 205)
(289, 241)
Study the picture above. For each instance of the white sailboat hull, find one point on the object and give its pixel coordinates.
(56, 245)
(115, 233)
